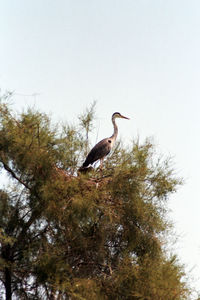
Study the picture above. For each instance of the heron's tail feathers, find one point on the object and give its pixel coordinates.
(85, 164)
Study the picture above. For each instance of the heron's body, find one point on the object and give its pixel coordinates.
(99, 151)
(103, 148)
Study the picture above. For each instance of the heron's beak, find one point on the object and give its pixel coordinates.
(124, 117)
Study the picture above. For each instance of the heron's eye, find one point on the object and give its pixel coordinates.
(109, 141)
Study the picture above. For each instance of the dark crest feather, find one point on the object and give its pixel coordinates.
(116, 113)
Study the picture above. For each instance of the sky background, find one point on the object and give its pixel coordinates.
(138, 57)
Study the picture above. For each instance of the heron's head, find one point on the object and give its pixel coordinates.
(118, 115)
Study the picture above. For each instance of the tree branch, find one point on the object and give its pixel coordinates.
(7, 168)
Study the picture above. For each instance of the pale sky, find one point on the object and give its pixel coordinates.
(138, 57)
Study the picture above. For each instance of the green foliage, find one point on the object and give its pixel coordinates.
(65, 235)
(86, 124)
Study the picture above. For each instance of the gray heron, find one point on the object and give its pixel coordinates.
(103, 148)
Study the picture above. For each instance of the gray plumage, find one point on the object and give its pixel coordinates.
(99, 151)
(103, 148)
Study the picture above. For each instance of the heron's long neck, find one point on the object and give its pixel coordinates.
(114, 136)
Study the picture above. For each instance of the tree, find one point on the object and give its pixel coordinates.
(65, 235)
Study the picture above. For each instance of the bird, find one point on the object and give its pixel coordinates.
(102, 148)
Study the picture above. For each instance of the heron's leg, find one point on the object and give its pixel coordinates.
(101, 164)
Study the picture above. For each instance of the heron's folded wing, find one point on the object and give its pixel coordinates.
(99, 151)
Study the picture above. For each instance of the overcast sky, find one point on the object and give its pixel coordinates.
(141, 58)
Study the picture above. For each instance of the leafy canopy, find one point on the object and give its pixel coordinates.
(65, 235)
